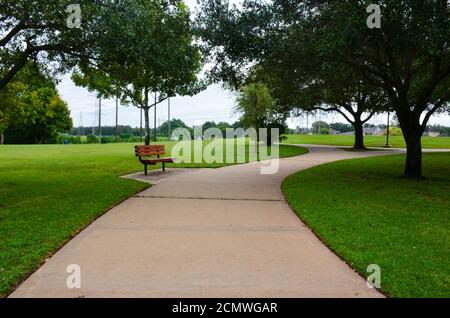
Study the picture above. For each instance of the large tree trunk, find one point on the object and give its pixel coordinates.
(413, 166)
(2, 138)
(359, 135)
(412, 133)
(357, 123)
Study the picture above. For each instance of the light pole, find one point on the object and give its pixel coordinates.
(100, 120)
(387, 131)
(117, 119)
(307, 124)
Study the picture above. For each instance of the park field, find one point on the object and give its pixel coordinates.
(370, 141)
(48, 193)
(365, 212)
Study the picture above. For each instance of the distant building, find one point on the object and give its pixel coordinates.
(334, 132)
(302, 131)
(432, 133)
(373, 131)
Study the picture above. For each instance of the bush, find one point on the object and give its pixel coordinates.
(129, 138)
(324, 131)
(92, 139)
(60, 139)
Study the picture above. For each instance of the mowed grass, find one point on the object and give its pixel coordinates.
(369, 141)
(50, 192)
(368, 214)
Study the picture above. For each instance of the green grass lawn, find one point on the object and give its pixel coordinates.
(368, 214)
(370, 141)
(50, 192)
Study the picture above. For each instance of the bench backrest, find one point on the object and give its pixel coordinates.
(148, 151)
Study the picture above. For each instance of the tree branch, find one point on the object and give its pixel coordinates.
(436, 78)
(19, 27)
(335, 109)
(436, 106)
(369, 117)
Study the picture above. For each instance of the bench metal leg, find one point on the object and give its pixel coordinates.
(145, 169)
(164, 166)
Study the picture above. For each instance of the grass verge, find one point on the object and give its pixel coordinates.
(49, 192)
(369, 141)
(364, 211)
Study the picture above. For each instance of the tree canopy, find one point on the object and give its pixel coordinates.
(153, 54)
(39, 31)
(407, 59)
(32, 110)
(258, 109)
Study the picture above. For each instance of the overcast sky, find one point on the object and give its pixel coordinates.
(213, 104)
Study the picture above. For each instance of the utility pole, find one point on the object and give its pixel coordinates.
(100, 119)
(117, 119)
(168, 112)
(155, 133)
(93, 124)
(307, 124)
(80, 123)
(387, 131)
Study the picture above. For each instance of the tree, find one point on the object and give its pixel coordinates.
(319, 126)
(341, 127)
(208, 124)
(237, 124)
(43, 116)
(223, 126)
(286, 60)
(301, 78)
(37, 113)
(7, 105)
(38, 31)
(320, 88)
(258, 109)
(163, 130)
(407, 58)
(155, 55)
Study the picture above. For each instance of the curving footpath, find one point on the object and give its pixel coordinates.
(224, 232)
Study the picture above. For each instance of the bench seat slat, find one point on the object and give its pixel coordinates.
(150, 149)
(158, 160)
(148, 154)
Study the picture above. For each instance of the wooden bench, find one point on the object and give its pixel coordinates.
(144, 152)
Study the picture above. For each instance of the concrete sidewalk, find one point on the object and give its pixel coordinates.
(224, 232)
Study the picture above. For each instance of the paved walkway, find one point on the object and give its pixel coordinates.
(205, 233)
